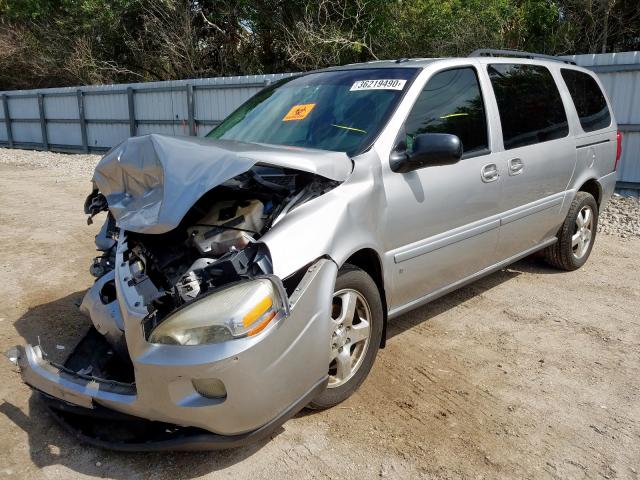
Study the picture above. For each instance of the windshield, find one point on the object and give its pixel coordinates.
(340, 110)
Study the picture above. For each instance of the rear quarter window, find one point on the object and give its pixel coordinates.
(588, 99)
(529, 103)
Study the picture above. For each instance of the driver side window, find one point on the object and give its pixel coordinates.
(451, 102)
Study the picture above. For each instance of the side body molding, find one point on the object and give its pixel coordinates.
(477, 228)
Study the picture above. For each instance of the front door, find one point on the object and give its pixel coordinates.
(443, 221)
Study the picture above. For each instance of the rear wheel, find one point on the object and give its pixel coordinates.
(356, 326)
(576, 236)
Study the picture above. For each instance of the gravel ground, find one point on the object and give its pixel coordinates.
(526, 373)
(621, 217)
(60, 165)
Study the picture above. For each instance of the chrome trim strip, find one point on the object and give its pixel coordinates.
(443, 240)
(465, 232)
(549, 202)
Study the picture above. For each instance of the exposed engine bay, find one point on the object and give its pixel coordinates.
(215, 244)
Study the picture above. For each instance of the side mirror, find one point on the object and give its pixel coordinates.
(429, 149)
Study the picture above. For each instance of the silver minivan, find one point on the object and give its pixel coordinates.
(250, 274)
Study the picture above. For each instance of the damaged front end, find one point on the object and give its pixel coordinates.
(196, 343)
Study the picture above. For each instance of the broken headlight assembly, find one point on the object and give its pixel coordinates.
(241, 310)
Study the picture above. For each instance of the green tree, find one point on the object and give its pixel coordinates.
(66, 42)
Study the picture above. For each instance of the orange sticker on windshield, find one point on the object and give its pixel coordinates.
(299, 112)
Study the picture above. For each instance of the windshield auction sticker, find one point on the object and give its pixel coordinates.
(390, 84)
(298, 112)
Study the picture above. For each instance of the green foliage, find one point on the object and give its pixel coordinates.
(26, 10)
(62, 42)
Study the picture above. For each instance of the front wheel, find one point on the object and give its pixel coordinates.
(356, 326)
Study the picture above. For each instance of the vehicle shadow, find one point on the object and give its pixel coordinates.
(537, 265)
(50, 445)
(56, 326)
(60, 322)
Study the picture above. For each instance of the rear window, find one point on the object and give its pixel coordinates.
(588, 98)
(529, 103)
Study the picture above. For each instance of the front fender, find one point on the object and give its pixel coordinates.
(336, 224)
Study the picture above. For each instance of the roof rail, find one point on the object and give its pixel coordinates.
(490, 52)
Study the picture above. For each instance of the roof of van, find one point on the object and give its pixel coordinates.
(423, 62)
(398, 63)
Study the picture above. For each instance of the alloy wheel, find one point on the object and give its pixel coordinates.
(583, 232)
(351, 322)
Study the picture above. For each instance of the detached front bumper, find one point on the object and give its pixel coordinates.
(105, 428)
(268, 378)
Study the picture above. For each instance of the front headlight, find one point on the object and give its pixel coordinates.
(241, 310)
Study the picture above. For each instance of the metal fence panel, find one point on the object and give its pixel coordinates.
(102, 136)
(62, 107)
(23, 107)
(151, 105)
(95, 118)
(622, 88)
(113, 106)
(27, 132)
(629, 168)
(214, 105)
(164, 129)
(64, 133)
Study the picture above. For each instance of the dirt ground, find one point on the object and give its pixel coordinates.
(528, 373)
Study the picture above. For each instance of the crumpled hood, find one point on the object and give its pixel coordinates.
(151, 182)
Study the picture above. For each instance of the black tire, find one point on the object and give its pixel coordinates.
(351, 277)
(561, 254)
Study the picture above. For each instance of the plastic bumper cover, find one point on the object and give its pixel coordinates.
(266, 376)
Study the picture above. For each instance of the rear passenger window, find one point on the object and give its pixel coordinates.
(451, 102)
(588, 99)
(530, 106)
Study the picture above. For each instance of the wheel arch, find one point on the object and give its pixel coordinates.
(593, 187)
(368, 260)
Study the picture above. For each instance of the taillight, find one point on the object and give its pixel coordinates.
(618, 149)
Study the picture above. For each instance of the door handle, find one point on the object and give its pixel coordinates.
(489, 173)
(516, 165)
